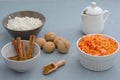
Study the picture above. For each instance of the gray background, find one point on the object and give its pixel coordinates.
(63, 18)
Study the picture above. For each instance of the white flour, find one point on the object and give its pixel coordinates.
(24, 23)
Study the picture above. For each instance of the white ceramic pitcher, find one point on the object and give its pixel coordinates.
(93, 19)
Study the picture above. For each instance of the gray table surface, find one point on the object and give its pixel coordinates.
(63, 18)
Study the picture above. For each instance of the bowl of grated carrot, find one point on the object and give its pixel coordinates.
(97, 51)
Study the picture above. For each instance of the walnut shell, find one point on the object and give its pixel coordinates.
(40, 42)
(57, 39)
(63, 46)
(50, 36)
(49, 47)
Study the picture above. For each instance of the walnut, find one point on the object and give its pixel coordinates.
(57, 39)
(49, 47)
(40, 42)
(50, 36)
(63, 46)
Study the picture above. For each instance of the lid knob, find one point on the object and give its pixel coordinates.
(93, 4)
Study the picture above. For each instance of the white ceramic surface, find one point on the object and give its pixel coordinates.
(20, 66)
(93, 22)
(97, 63)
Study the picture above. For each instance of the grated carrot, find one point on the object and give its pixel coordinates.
(97, 45)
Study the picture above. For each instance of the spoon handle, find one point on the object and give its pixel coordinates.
(60, 63)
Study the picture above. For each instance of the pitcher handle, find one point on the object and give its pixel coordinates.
(105, 15)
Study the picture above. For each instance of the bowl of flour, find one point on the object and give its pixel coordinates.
(24, 23)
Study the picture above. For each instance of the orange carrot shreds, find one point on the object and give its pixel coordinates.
(97, 45)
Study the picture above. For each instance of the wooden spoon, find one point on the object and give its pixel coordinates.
(52, 66)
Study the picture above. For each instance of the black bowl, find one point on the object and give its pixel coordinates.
(26, 33)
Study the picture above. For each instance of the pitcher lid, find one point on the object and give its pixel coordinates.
(93, 9)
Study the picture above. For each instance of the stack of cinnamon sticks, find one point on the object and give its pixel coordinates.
(22, 52)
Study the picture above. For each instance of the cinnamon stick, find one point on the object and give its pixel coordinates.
(19, 48)
(15, 46)
(30, 46)
(14, 58)
(23, 50)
